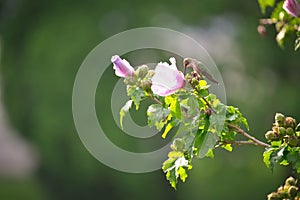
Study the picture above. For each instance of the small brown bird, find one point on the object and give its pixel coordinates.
(199, 68)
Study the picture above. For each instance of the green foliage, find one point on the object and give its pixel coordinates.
(234, 116)
(157, 116)
(284, 143)
(202, 121)
(124, 110)
(287, 26)
(264, 4)
(177, 163)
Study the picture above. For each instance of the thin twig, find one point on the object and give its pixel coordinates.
(244, 133)
(238, 142)
(209, 105)
(154, 98)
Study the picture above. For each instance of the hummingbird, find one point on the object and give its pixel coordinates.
(198, 67)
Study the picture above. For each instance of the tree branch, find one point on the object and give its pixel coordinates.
(245, 134)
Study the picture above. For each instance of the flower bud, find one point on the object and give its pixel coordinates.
(279, 119)
(151, 73)
(282, 131)
(122, 67)
(146, 85)
(130, 80)
(178, 144)
(290, 122)
(290, 181)
(293, 141)
(275, 128)
(271, 136)
(292, 191)
(142, 71)
(261, 29)
(274, 196)
(208, 112)
(290, 131)
(292, 7)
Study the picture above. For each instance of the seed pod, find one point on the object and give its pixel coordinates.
(290, 122)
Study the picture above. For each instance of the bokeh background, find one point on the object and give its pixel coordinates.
(42, 46)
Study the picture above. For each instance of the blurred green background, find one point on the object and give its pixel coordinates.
(43, 44)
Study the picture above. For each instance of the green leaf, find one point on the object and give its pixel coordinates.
(234, 116)
(171, 177)
(182, 174)
(157, 116)
(204, 141)
(278, 12)
(217, 122)
(168, 164)
(227, 147)
(265, 3)
(178, 144)
(273, 156)
(175, 154)
(193, 105)
(267, 156)
(124, 110)
(293, 157)
(168, 128)
(136, 94)
(202, 93)
(174, 106)
(210, 154)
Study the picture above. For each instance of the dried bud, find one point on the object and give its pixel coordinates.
(293, 190)
(290, 122)
(271, 136)
(208, 111)
(279, 119)
(261, 29)
(290, 181)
